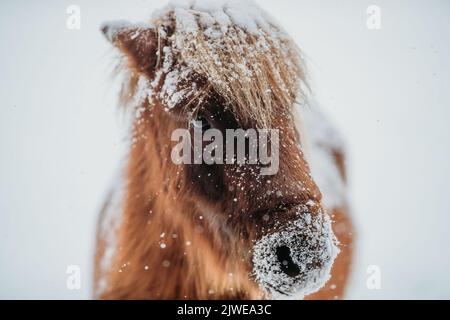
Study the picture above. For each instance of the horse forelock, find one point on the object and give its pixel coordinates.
(258, 71)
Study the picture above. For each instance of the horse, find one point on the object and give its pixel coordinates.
(223, 230)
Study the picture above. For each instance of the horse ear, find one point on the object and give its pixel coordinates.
(138, 42)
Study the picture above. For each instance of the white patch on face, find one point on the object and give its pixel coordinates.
(296, 261)
(319, 141)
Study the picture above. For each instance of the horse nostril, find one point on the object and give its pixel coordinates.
(287, 265)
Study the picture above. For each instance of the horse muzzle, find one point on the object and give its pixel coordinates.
(296, 259)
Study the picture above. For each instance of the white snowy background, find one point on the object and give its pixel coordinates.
(388, 90)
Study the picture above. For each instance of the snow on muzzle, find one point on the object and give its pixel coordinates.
(296, 260)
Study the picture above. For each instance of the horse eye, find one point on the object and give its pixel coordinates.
(201, 122)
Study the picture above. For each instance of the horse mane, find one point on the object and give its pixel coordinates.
(257, 69)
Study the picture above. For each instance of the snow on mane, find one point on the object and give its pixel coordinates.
(232, 48)
(245, 14)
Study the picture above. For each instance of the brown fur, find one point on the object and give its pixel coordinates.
(194, 204)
